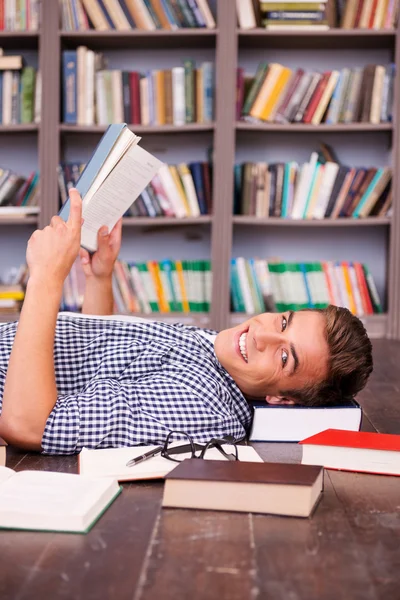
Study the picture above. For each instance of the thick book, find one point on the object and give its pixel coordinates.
(292, 423)
(353, 451)
(47, 501)
(3, 445)
(272, 488)
(115, 176)
(111, 462)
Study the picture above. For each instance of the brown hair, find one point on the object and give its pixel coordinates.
(350, 360)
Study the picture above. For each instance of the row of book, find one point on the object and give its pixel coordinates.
(259, 285)
(174, 96)
(103, 15)
(182, 190)
(17, 191)
(19, 15)
(314, 15)
(277, 94)
(20, 96)
(313, 190)
(150, 287)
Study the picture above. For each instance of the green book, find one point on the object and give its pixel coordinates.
(176, 287)
(277, 270)
(236, 292)
(28, 78)
(373, 292)
(188, 279)
(166, 279)
(208, 284)
(149, 287)
(189, 68)
(316, 281)
(48, 501)
(261, 73)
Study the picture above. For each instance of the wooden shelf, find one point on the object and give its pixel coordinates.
(20, 127)
(331, 39)
(23, 40)
(148, 129)
(306, 128)
(136, 38)
(166, 221)
(279, 222)
(376, 325)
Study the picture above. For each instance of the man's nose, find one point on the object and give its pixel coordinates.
(263, 339)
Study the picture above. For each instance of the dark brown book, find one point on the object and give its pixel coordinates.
(169, 119)
(274, 488)
(280, 171)
(367, 93)
(355, 186)
(207, 186)
(361, 191)
(2, 452)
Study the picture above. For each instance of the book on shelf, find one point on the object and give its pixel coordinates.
(365, 14)
(111, 462)
(259, 285)
(3, 446)
(115, 175)
(182, 190)
(94, 95)
(47, 501)
(277, 94)
(269, 488)
(18, 195)
(19, 98)
(125, 15)
(182, 286)
(315, 190)
(353, 451)
(292, 423)
(23, 15)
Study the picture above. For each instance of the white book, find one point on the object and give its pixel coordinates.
(7, 97)
(330, 173)
(178, 96)
(81, 84)
(117, 97)
(173, 195)
(356, 290)
(144, 101)
(117, 173)
(89, 91)
(101, 102)
(245, 285)
(303, 186)
(47, 501)
(206, 12)
(190, 190)
(292, 423)
(111, 462)
(245, 14)
(376, 102)
(326, 96)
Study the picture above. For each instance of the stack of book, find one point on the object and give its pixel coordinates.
(18, 195)
(182, 190)
(258, 285)
(150, 287)
(19, 15)
(314, 190)
(306, 15)
(175, 96)
(78, 15)
(277, 94)
(19, 91)
(364, 14)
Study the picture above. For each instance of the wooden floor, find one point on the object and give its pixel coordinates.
(349, 550)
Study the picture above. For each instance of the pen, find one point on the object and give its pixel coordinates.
(143, 457)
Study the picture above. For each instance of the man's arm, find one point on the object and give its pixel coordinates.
(98, 269)
(30, 388)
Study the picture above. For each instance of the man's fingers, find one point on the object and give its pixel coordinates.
(75, 209)
(102, 239)
(115, 235)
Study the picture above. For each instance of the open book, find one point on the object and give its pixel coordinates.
(111, 462)
(46, 501)
(115, 176)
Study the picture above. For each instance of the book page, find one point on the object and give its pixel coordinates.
(111, 462)
(121, 188)
(5, 473)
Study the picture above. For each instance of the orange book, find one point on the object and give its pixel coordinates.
(349, 289)
(154, 270)
(276, 93)
(181, 280)
(199, 96)
(272, 76)
(160, 97)
(161, 16)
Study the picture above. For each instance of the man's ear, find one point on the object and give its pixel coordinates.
(279, 400)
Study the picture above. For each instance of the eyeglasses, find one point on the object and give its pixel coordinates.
(170, 450)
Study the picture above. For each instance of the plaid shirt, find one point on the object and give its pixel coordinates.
(123, 383)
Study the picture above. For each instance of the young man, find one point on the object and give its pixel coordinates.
(67, 381)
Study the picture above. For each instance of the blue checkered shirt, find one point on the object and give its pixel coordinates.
(126, 383)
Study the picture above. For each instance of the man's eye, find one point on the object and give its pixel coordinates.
(285, 357)
(284, 323)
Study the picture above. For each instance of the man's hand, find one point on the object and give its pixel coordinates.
(100, 264)
(52, 251)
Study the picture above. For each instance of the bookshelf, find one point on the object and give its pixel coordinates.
(228, 137)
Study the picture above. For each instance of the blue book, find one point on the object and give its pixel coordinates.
(364, 198)
(285, 193)
(107, 16)
(200, 22)
(94, 165)
(208, 91)
(196, 170)
(169, 14)
(127, 14)
(75, 15)
(70, 68)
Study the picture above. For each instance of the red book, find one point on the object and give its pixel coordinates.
(353, 451)
(1, 15)
(362, 284)
(372, 15)
(315, 100)
(135, 97)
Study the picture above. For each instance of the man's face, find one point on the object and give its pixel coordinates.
(275, 351)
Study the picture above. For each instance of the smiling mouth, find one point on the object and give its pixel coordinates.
(243, 346)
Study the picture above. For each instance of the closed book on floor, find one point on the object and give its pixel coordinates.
(274, 488)
(47, 501)
(292, 423)
(353, 451)
(2, 452)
